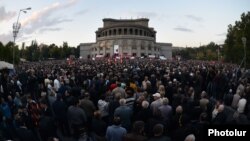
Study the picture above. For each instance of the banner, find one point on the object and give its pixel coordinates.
(116, 49)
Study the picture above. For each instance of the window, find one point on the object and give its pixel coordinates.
(114, 31)
(130, 31)
(140, 32)
(136, 32)
(134, 54)
(155, 48)
(133, 47)
(108, 55)
(119, 31)
(125, 31)
(101, 48)
(149, 47)
(142, 47)
(109, 32)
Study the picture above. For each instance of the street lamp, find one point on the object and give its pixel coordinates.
(219, 48)
(244, 40)
(16, 27)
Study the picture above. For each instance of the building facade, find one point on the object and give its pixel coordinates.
(125, 38)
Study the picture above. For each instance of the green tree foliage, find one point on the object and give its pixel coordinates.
(208, 52)
(234, 48)
(6, 52)
(36, 52)
(44, 52)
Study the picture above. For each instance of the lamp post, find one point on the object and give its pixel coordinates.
(244, 40)
(16, 27)
(218, 53)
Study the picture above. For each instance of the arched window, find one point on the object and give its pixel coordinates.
(119, 31)
(140, 32)
(125, 31)
(131, 31)
(114, 31)
(149, 47)
(110, 33)
(136, 32)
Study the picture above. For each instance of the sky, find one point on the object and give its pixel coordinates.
(184, 23)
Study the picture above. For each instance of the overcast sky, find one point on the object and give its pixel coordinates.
(180, 22)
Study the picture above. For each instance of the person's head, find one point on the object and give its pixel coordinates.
(165, 101)
(118, 84)
(179, 109)
(43, 94)
(161, 88)
(130, 92)
(145, 104)
(86, 95)
(118, 96)
(158, 130)
(221, 108)
(29, 98)
(117, 120)
(203, 117)
(190, 137)
(203, 94)
(9, 98)
(156, 96)
(122, 102)
(138, 127)
(97, 114)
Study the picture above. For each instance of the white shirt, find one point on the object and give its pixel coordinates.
(56, 84)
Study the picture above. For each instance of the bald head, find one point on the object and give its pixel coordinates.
(190, 137)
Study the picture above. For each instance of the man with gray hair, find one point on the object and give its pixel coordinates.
(125, 113)
(156, 103)
(165, 110)
(190, 137)
(144, 113)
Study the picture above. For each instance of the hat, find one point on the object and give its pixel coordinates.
(157, 95)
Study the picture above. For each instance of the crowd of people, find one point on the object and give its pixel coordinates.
(121, 100)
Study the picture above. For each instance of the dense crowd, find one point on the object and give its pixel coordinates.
(121, 100)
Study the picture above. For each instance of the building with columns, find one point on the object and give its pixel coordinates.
(125, 38)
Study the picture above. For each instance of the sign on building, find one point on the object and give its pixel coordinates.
(116, 49)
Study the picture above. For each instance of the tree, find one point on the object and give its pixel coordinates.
(45, 52)
(233, 48)
(33, 52)
(206, 52)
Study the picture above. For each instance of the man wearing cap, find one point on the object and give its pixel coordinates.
(156, 103)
